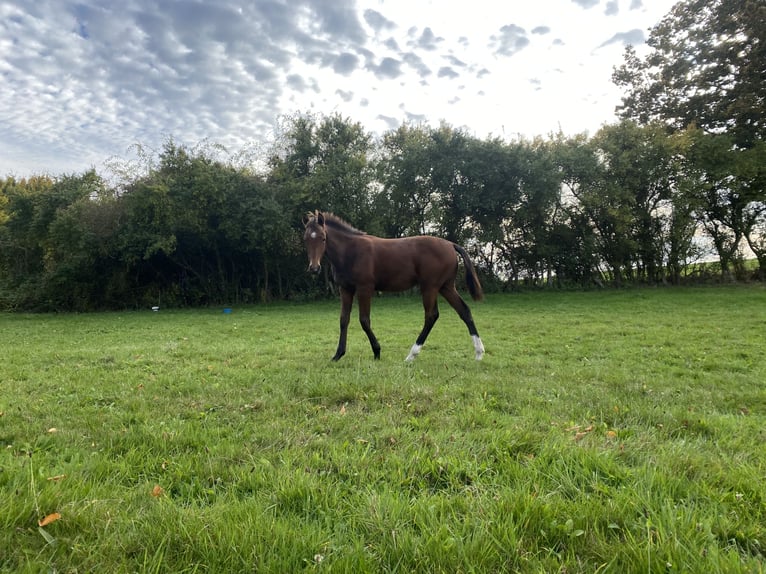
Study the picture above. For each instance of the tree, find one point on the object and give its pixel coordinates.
(639, 162)
(578, 255)
(494, 170)
(705, 72)
(705, 68)
(344, 172)
(725, 187)
(325, 163)
(21, 244)
(454, 191)
(52, 244)
(406, 199)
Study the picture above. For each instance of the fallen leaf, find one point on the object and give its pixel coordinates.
(57, 477)
(157, 490)
(343, 409)
(49, 519)
(611, 434)
(53, 430)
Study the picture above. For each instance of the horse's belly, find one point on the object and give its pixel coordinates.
(395, 283)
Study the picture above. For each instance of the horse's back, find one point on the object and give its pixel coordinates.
(407, 262)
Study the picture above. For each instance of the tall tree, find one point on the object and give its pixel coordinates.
(494, 170)
(706, 71)
(578, 255)
(638, 164)
(454, 191)
(706, 67)
(325, 162)
(406, 199)
(725, 187)
(51, 254)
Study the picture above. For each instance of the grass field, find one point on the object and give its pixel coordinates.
(618, 431)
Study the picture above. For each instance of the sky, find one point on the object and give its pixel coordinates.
(84, 81)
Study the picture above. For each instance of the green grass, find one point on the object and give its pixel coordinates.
(620, 431)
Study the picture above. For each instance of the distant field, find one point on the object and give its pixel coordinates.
(615, 431)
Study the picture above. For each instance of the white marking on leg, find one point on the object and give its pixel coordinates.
(413, 352)
(479, 346)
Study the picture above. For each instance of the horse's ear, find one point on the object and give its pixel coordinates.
(320, 218)
(305, 220)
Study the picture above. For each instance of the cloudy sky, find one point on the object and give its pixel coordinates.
(83, 80)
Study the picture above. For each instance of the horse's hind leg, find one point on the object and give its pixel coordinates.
(365, 303)
(453, 298)
(431, 315)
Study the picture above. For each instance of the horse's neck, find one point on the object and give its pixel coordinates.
(337, 244)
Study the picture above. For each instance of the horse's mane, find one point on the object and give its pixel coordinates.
(335, 222)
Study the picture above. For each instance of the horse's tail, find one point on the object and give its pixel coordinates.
(471, 279)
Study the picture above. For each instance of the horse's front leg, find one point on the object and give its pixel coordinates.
(365, 303)
(346, 302)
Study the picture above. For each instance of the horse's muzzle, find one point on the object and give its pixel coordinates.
(315, 268)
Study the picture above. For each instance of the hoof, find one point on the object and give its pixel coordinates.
(478, 347)
(413, 352)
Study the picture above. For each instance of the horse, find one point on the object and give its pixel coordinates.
(363, 264)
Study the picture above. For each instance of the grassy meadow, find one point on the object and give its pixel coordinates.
(615, 431)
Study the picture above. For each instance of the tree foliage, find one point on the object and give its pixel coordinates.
(705, 76)
(192, 229)
(706, 68)
(631, 204)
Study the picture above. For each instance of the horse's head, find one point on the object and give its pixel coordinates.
(315, 239)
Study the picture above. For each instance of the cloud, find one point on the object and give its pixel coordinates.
(391, 123)
(331, 18)
(509, 41)
(415, 118)
(632, 37)
(428, 40)
(587, 4)
(298, 83)
(391, 44)
(612, 8)
(416, 62)
(345, 96)
(345, 64)
(377, 21)
(84, 80)
(455, 61)
(388, 69)
(447, 72)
